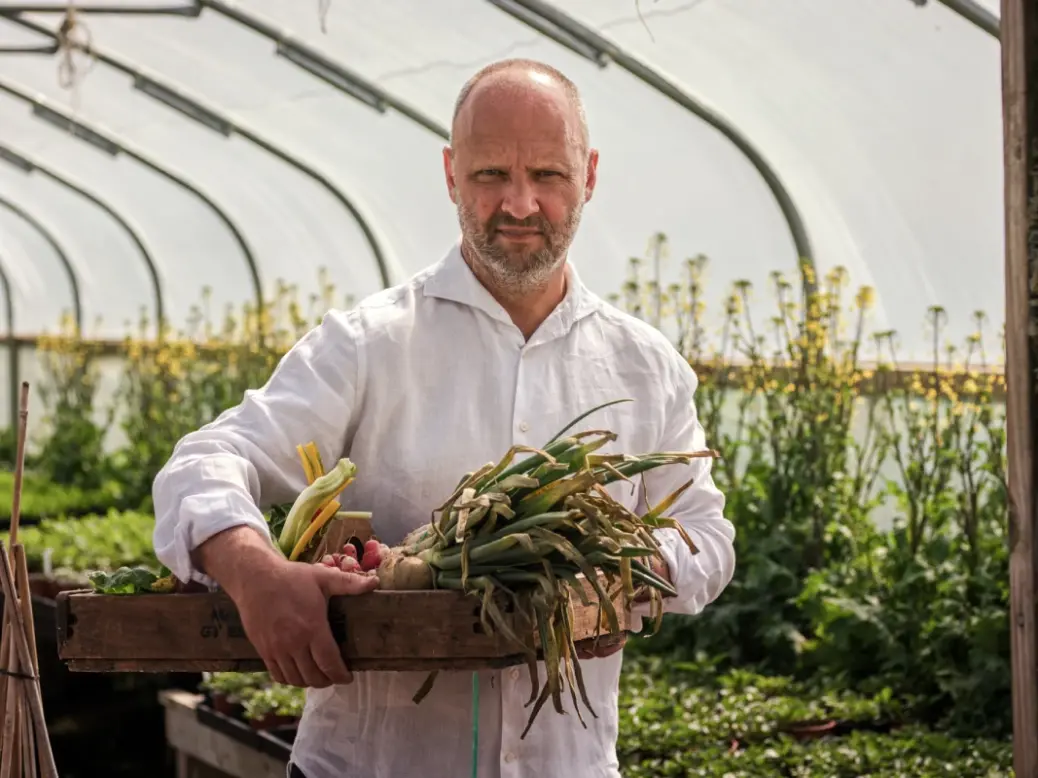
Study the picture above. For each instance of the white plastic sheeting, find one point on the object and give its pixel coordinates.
(881, 119)
(41, 289)
(194, 248)
(113, 279)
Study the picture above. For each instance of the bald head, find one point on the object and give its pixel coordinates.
(515, 84)
(519, 169)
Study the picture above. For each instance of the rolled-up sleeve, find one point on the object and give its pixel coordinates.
(698, 578)
(228, 472)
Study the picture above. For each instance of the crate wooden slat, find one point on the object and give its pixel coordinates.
(380, 630)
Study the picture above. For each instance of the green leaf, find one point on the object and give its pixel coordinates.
(125, 580)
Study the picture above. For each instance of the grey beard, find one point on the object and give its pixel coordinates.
(513, 279)
(508, 275)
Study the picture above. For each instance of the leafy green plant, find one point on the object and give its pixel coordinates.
(258, 695)
(665, 702)
(131, 580)
(681, 719)
(819, 589)
(184, 380)
(276, 699)
(800, 484)
(925, 606)
(911, 752)
(73, 453)
(42, 498)
(234, 685)
(98, 542)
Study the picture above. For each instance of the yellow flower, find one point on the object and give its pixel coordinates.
(866, 298)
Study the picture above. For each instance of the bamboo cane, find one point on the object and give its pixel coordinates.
(10, 749)
(19, 462)
(34, 746)
(15, 759)
(9, 707)
(21, 703)
(5, 664)
(21, 571)
(32, 685)
(25, 757)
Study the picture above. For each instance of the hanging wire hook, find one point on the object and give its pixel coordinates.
(73, 35)
(322, 13)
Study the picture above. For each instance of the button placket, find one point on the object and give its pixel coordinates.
(521, 424)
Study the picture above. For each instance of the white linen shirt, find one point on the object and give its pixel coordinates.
(418, 385)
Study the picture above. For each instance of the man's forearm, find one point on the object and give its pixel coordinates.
(233, 557)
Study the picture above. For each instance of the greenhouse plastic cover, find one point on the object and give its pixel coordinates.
(880, 119)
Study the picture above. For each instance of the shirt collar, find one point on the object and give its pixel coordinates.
(452, 279)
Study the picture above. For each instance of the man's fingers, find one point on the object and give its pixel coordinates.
(328, 657)
(275, 671)
(335, 582)
(600, 648)
(312, 675)
(283, 671)
(293, 677)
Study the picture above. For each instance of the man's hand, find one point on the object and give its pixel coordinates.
(607, 645)
(286, 619)
(658, 566)
(284, 606)
(610, 644)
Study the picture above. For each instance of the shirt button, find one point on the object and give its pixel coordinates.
(509, 757)
(515, 673)
(524, 427)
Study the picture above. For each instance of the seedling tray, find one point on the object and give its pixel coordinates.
(379, 630)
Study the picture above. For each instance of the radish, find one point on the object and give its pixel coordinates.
(350, 550)
(349, 564)
(374, 553)
(328, 561)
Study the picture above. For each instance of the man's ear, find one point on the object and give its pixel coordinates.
(448, 172)
(592, 174)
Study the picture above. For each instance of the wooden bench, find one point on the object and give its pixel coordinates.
(203, 751)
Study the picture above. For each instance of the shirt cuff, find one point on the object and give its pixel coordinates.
(198, 519)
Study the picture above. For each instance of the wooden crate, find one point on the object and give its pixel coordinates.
(380, 630)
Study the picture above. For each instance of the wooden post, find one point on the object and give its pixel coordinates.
(1019, 36)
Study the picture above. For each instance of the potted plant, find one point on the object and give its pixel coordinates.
(228, 692)
(274, 706)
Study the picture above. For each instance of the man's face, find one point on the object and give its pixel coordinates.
(519, 175)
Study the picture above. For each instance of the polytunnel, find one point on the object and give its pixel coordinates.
(236, 145)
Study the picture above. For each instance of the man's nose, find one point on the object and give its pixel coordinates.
(520, 199)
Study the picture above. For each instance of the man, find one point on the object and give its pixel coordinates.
(497, 344)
